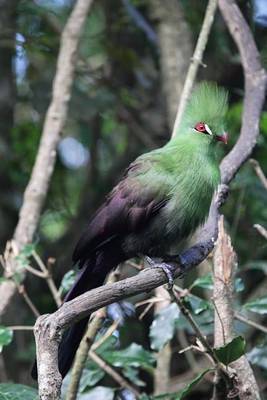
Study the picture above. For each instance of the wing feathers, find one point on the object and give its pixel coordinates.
(128, 208)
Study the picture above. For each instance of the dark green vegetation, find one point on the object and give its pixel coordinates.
(118, 111)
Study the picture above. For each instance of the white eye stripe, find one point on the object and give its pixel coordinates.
(208, 129)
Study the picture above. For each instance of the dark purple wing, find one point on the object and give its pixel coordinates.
(127, 209)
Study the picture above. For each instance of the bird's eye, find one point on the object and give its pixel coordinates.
(203, 128)
(200, 127)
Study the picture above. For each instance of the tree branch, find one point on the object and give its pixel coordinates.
(224, 271)
(48, 328)
(36, 191)
(259, 172)
(255, 86)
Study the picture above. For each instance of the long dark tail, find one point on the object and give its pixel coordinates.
(91, 276)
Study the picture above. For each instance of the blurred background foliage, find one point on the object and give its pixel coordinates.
(118, 110)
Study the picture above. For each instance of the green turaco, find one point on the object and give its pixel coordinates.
(163, 196)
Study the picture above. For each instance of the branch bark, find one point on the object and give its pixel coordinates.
(36, 191)
(255, 86)
(162, 370)
(224, 271)
(48, 328)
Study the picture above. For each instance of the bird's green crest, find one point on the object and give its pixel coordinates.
(208, 103)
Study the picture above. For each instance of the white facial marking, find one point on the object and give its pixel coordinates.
(208, 129)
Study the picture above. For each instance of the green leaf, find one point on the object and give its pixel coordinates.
(184, 392)
(23, 257)
(132, 374)
(90, 377)
(231, 351)
(258, 306)
(191, 385)
(6, 336)
(98, 393)
(67, 281)
(204, 282)
(108, 345)
(197, 304)
(258, 356)
(27, 250)
(163, 327)
(12, 391)
(239, 285)
(134, 355)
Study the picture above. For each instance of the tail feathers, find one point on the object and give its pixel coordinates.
(69, 345)
(73, 336)
(91, 276)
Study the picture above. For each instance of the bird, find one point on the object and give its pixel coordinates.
(162, 198)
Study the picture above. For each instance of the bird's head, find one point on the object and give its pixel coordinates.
(205, 112)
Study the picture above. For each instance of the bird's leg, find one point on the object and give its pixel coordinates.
(169, 269)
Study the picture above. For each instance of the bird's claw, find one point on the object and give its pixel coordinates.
(150, 262)
(167, 269)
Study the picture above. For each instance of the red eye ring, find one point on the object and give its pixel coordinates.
(200, 127)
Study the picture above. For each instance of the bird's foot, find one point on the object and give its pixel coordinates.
(168, 269)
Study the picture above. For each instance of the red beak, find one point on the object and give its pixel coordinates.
(222, 138)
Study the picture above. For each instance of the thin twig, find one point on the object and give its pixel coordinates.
(190, 358)
(248, 321)
(226, 373)
(259, 172)
(24, 294)
(261, 230)
(49, 279)
(20, 328)
(134, 265)
(113, 373)
(195, 326)
(145, 311)
(35, 271)
(106, 335)
(195, 62)
(152, 300)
